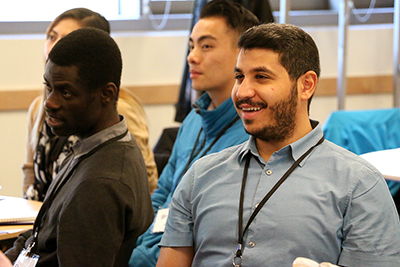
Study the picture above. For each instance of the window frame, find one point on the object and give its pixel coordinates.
(180, 19)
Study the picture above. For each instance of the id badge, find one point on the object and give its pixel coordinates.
(161, 220)
(26, 260)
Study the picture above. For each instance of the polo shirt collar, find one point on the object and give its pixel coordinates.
(296, 149)
(84, 146)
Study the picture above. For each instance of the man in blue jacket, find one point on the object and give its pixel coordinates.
(213, 124)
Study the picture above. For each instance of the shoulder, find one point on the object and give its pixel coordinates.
(345, 165)
(115, 160)
(222, 158)
(346, 157)
(190, 125)
(193, 116)
(125, 149)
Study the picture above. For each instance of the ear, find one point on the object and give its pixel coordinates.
(306, 84)
(109, 93)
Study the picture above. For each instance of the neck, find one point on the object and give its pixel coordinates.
(218, 97)
(267, 148)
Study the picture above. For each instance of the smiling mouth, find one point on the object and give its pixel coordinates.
(251, 109)
(246, 105)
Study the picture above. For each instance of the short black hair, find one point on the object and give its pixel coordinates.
(93, 52)
(236, 16)
(297, 51)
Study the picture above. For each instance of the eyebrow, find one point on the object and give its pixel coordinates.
(203, 37)
(256, 70)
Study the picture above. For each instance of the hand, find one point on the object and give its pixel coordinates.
(4, 261)
(304, 262)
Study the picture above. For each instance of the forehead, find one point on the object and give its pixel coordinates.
(66, 25)
(54, 73)
(257, 58)
(214, 27)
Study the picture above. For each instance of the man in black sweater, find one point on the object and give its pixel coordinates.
(99, 202)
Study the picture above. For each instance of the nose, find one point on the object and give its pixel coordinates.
(193, 56)
(243, 89)
(51, 102)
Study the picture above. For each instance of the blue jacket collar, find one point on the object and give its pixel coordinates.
(213, 121)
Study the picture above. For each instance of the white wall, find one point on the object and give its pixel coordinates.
(157, 58)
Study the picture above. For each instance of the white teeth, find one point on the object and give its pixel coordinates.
(251, 109)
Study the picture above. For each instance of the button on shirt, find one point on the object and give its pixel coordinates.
(329, 209)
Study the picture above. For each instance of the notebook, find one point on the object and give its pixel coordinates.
(18, 211)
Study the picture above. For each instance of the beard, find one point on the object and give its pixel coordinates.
(284, 113)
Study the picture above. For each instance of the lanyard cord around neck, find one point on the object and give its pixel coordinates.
(238, 256)
(193, 155)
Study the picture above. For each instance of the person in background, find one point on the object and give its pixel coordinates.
(213, 124)
(99, 202)
(286, 192)
(46, 151)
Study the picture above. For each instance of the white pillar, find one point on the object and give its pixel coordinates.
(344, 20)
(284, 8)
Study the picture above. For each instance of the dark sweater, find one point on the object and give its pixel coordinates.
(96, 217)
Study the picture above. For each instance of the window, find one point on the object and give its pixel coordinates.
(47, 10)
(33, 16)
(176, 6)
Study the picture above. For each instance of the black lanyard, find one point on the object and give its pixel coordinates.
(194, 154)
(61, 181)
(237, 259)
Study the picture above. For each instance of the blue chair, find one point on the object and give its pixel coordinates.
(363, 131)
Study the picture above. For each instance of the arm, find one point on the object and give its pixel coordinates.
(166, 180)
(369, 239)
(164, 185)
(19, 244)
(177, 257)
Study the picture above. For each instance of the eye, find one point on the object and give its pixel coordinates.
(206, 46)
(191, 45)
(239, 76)
(52, 37)
(47, 87)
(261, 77)
(66, 93)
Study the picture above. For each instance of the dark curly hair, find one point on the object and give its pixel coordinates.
(93, 52)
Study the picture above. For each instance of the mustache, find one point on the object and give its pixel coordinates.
(251, 103)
